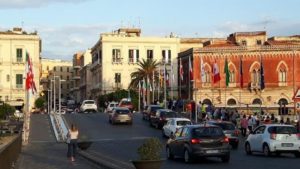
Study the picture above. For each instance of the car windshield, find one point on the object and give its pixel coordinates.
(89, 102)
(282, 130)
(168, 114)
(225, 126)
(183, 123)
(126, 103)
(122, 111)
(208, 132)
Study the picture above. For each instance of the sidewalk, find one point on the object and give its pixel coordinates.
(43, 152)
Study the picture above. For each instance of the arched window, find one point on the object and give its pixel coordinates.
(207, 77)
(282, 76)
(255, 77)
(231, 102)
(232, 76)
(257, 101)
(283, 101)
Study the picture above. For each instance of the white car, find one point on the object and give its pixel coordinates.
(273, 138)
(88, 106)
(110, 106)
(18, 114)
(173, 125)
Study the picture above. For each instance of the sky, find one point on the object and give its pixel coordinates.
(69, 26)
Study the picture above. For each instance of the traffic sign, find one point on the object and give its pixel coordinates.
(297, 95)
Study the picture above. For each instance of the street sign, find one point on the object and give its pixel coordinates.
(298, 105)
(297, 95)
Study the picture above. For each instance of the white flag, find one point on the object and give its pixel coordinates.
(202, 71)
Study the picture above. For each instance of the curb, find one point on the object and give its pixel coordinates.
(104, 161)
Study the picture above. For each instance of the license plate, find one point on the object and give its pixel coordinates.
(287, 144)
(212, 151)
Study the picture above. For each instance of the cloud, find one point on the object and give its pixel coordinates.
(17, 4)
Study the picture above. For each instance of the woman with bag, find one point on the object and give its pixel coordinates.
(72, 137)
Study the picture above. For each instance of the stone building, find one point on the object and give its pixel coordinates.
(251, 52)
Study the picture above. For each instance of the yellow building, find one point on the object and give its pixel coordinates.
(62, 70)
(117, 54)
(13, 47)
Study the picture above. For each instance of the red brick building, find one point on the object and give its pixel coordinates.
(280, 59)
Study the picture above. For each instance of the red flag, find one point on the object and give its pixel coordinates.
(181, 70)
(191, 70)
(216, 73)
(30, 84)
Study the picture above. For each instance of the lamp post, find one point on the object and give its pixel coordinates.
(59, 92)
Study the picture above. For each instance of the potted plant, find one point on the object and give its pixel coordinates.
(84, 143)
(149, 154)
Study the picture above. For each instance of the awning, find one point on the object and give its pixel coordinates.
(15, 103)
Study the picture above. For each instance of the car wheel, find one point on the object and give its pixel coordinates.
(225, 159)
(266, 150)
(187, 156)
(248, 149)
(297, 154)
(170, 156)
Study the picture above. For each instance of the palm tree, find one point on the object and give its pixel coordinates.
(145, 70)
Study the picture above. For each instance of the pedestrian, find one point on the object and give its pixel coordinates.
(72, 137)
(251, 123)
(244, 125)
(288, 121)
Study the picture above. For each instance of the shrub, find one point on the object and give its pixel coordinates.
(150, 149)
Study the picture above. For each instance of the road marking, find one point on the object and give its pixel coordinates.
(117, 139)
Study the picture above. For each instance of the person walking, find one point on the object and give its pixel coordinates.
(72, 137)
(244, 125)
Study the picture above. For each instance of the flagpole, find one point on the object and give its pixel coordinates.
(241, 74)
(153, 89)
(165, 86)
(189, 81)
(158, 84)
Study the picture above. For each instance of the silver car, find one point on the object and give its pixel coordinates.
(274, 138)
(120, 115)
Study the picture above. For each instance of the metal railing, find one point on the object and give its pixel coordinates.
(9, 154)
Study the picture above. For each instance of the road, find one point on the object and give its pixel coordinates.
(121, 142)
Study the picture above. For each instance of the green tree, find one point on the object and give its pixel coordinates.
(144, 72)
(6, 110)
(39, 103)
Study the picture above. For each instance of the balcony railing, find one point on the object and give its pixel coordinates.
(117, 60)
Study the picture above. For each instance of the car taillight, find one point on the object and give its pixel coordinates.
(273, 136)
(195, 141)
(225, 140)
(298, 135)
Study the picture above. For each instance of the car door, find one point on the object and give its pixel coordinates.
(257, 138)
(182, 140)
(174, 145)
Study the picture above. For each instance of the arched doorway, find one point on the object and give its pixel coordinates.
(207, 102)
(231, 102)
(257, 101)
(283, 101)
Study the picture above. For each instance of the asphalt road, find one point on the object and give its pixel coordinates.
(121, 142)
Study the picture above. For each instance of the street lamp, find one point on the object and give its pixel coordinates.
(60, 80)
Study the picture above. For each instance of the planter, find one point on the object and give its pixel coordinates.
(84, 145)
(147, 164)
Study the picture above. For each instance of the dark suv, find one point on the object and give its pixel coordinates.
(151, 109)
(202, 140)
(229, 130)
(161, 116)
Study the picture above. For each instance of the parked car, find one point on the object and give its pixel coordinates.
(173, 125)
(88, 106)
(110, 106)
(120, 115)
(229, 130)
(18, 114)
(194, 141)
(160, 118)
(126, 103)
(273, 138)
(151, 109)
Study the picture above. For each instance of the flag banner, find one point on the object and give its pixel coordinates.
(262, 75)
(241, 73)
(30, 84)
(216, 72)
(191, 70)
(227, 74)
(172, 74)
(181, 70)
(202, 71)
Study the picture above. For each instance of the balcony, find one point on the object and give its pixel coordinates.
(117, 60)
(76, 67)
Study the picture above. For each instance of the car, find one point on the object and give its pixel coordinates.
(120, 115)
(151, 109)
(195, 141)
(273, 138)
(126, 103)
(173, 125)
(229, 130)
(88, 106)
(110, 106)
(161, 116)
